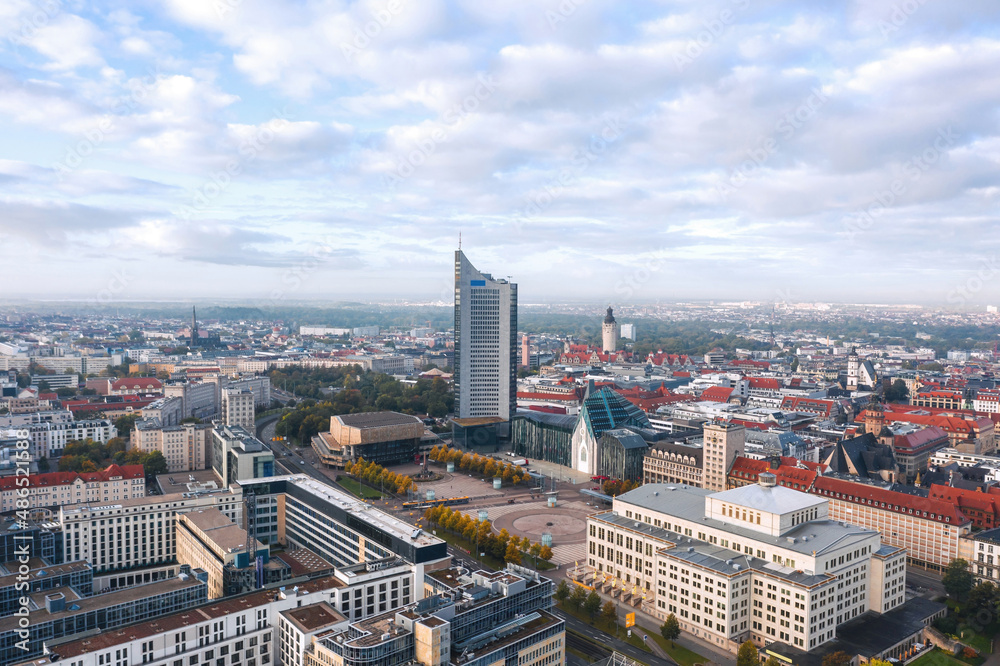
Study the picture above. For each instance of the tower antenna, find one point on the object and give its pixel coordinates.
(459, 240)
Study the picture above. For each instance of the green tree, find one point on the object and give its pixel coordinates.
(43, 465)
(771, 661)
(593, 604)
(748, 655)
(838, 658)
(795, 364)
(897, 392)
(562, 591)
(957, 579)
(609, 613)
(671, 629)
(983, 599)
(125, 424)
(578, 597)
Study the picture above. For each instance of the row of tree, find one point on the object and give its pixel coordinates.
(578, 598)
(503, 546)
(91, 456)
(376, 475)
(483, 465)
(614, 488)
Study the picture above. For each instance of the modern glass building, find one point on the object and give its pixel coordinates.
(485, 343)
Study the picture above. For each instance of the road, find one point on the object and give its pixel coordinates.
(612, 642)
(924, 583)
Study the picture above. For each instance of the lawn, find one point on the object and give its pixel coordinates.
(977, 640)
(940, 658)
(678, 653)
(357, 489)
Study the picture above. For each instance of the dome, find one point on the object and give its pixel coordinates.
(610, 319)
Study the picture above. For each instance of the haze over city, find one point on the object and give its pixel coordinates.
(735, 149)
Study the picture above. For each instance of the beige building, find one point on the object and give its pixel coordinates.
(136, 532)
(113, 484)
(238, 408)
(184, 447)
(297, 626)
(673, 462)
(209, 540)
(723, 442)
(761, 562)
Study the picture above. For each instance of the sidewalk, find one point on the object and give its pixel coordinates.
(652, 644)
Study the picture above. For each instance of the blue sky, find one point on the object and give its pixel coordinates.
(590, 150)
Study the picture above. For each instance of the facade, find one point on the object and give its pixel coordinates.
(939, 399)
(59, 613)
(603, 409)
(201, 399)
(609, 333)
(134, 386)
(49, 438)
(761, 562)
(135, 533)
(184, 447)
(54, 489)
(485, 343)
(259, 386)
(983, 555)
(169, 411)
(382, 437)
(622, 452)
(673, 462)
(238, 408)
(542, 436)
(478, 619)
(239, 456)
(723, 443)
(207, 539)
(339, 527)
(987, 400)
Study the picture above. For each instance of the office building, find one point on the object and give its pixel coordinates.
(762, 562)
(207, 539)
(238, 408)
(485, 343)
(43, 576)
(168, 411)
(478, 619)
(339, 527)
(723, 443)
(200, 399)
(673, 462)
(52, 489)
(136, 533)
(982, 551)
(238, 456)
(185, 447)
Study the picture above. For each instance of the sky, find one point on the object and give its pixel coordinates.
(627, 152)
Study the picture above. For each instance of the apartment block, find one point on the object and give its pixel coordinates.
(723, 443)
(185, 447)
(113, 484)
(238, 407)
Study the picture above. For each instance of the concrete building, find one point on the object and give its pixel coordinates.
(48, 439)
(627, 331)
(382, 437)
(609, 333)
(478, 619)
(113, 484)
(207, 539)
(169, 411)
(723, 443)
(135, 533)
(239, 456)
(982, 551)
(184, 447)
(485, 343)
(674, 462)
(761, 562)
(339, 527)
(238, 408)
(200, 399)
(56, 381)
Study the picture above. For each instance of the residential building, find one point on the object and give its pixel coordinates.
(761, 562)
(56, 381)
(53, 489)
(981, 507)
(983, 555)
(49, 438)
(134, 386)
(185, 447)
(239, 456)
(723, 443)
(168, 411)
(200, 399)
(485, 343)
(138, 532)
(987, 400)
(238, 407)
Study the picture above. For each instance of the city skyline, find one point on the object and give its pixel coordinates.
(786, 151)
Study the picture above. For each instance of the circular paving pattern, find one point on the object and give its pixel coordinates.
(566, 525)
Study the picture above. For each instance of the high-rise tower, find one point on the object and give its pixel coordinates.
(723, 442)
(194, 326)
(610, 332)
(485, 343)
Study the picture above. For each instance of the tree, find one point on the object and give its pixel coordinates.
(125, 424)
(593, 604)
(562, 591)
(795, 364)
(957, 579)
(545, 553)
(43, 465)
(578, 597)
(983, 598)
(771, 661)
(671, 629)
(608, 612)
(897, 392)
(748, 655)
(513, 555)
(838, 658)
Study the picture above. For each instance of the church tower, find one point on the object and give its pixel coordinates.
(853, 370)
(610, 332)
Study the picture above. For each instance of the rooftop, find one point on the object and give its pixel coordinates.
(313, 617)
(376, 419)
(773, 499)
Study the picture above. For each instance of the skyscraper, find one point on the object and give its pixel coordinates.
(485, 343)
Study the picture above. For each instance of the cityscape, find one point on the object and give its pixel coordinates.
(568, 332)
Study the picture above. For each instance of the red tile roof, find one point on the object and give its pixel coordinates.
(136, 383)
(764, 383)
(859, 493)
(68, 478)
(716, 394)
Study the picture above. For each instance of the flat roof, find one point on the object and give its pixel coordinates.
(217, 527)
(477, 421)
(377, 419)
(771, 499)
(688, 503)
(86, 604)
(313, 617)
(39, 570)
(304, 562)
(183, 482)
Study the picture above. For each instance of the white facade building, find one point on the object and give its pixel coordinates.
(49, 439)
(238, 407)
(485, 343)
